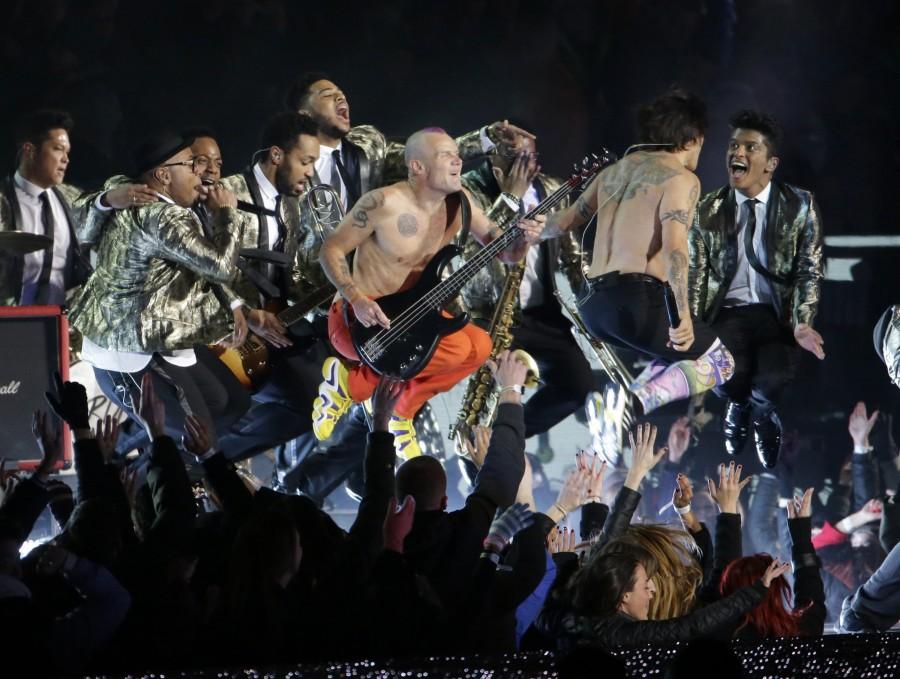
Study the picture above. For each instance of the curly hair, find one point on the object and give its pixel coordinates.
(678, 575)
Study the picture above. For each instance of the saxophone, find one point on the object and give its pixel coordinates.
(480, 402)
(610, 362)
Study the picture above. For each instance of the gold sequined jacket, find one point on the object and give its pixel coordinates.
(151, 289)
(793, 242)
(294, 280)
(78, 267)
(480, 295)
(891, 346)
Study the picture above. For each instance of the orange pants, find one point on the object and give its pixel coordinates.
(458, 355)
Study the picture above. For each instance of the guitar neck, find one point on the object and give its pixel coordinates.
(294, 313)
(453, 284)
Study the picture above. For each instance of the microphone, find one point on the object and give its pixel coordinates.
(671, 306)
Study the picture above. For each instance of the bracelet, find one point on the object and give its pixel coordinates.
(862, 450)
(682, 510)
(510, 198)
(561, 510)
(493, 556)
(518, 388)
(205, 456)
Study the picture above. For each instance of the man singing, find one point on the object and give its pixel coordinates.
(756, 270)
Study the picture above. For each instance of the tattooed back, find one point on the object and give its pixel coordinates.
(630, 196)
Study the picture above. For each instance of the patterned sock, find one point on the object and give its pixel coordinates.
(687, 378)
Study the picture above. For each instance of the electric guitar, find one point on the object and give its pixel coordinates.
(250, 362)
(417, 321)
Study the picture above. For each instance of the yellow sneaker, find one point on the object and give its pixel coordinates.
(333, 400)
(405, 442)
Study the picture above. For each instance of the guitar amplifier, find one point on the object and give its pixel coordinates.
(34, 344)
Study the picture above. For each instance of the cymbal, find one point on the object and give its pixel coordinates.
(21, 243)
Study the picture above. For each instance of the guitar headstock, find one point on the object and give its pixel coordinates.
(591, 167)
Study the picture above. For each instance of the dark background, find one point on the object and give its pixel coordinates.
(571, 71)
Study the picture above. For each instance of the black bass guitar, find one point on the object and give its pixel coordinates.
(417, 321)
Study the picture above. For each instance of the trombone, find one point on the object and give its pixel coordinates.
(326, 207)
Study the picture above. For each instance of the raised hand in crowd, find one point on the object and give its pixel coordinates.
(478, 450)
(384, 400)
(107, 435)
(643, 459)
(681, 500)
(871, 511)
(151, 410)
(800, 506)
(571, 496)
(506, 524)
(563, 541)
(679, 439)
(510, 374)
(49, 439)
(775, 570)
(594, 467)
(197, 438)
(8, 480)
(728, 490)
(398, 523)
(70, 404)
(860, 425)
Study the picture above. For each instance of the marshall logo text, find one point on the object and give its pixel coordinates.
(11, 388)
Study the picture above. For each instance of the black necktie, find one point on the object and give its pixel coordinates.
(43, 291)
(336, 174)
(749, 231)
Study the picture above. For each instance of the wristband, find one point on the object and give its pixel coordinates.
(561, 510)
(593, 499)
(518, 388)
(205, 456)
(862, 450)
(682, 510)
(513, 201)
(493, 556)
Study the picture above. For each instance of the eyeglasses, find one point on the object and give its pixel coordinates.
(215, 164)
(194, 163)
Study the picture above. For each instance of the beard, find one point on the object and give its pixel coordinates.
(283, 183)
(328, 128)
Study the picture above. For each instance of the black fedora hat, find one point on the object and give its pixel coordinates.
(156, 150)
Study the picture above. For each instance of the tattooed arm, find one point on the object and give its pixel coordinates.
(577, 214)
(676, 213)
(357, 226)
(484, 229)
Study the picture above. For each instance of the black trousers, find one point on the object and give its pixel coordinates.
(566, 375)
(206, 389)
(629, 310)
(765, 355)
(282, 409)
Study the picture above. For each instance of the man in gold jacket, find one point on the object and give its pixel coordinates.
(150, 300)
(755, 276)
(509, 177)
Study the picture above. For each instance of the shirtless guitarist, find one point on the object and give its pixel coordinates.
(395, 231)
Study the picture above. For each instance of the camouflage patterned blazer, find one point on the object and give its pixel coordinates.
(151, 290)
(481, 294)
(12, 267)
(793, 249)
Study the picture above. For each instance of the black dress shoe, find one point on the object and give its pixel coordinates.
(767, 433)
(736, 427)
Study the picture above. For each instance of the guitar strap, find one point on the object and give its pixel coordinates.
(458, 228)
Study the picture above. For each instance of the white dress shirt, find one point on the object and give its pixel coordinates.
(748, 286)
(130, 361)
(325, 166)
(531, 291)
(28, 195)
(269, 195)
